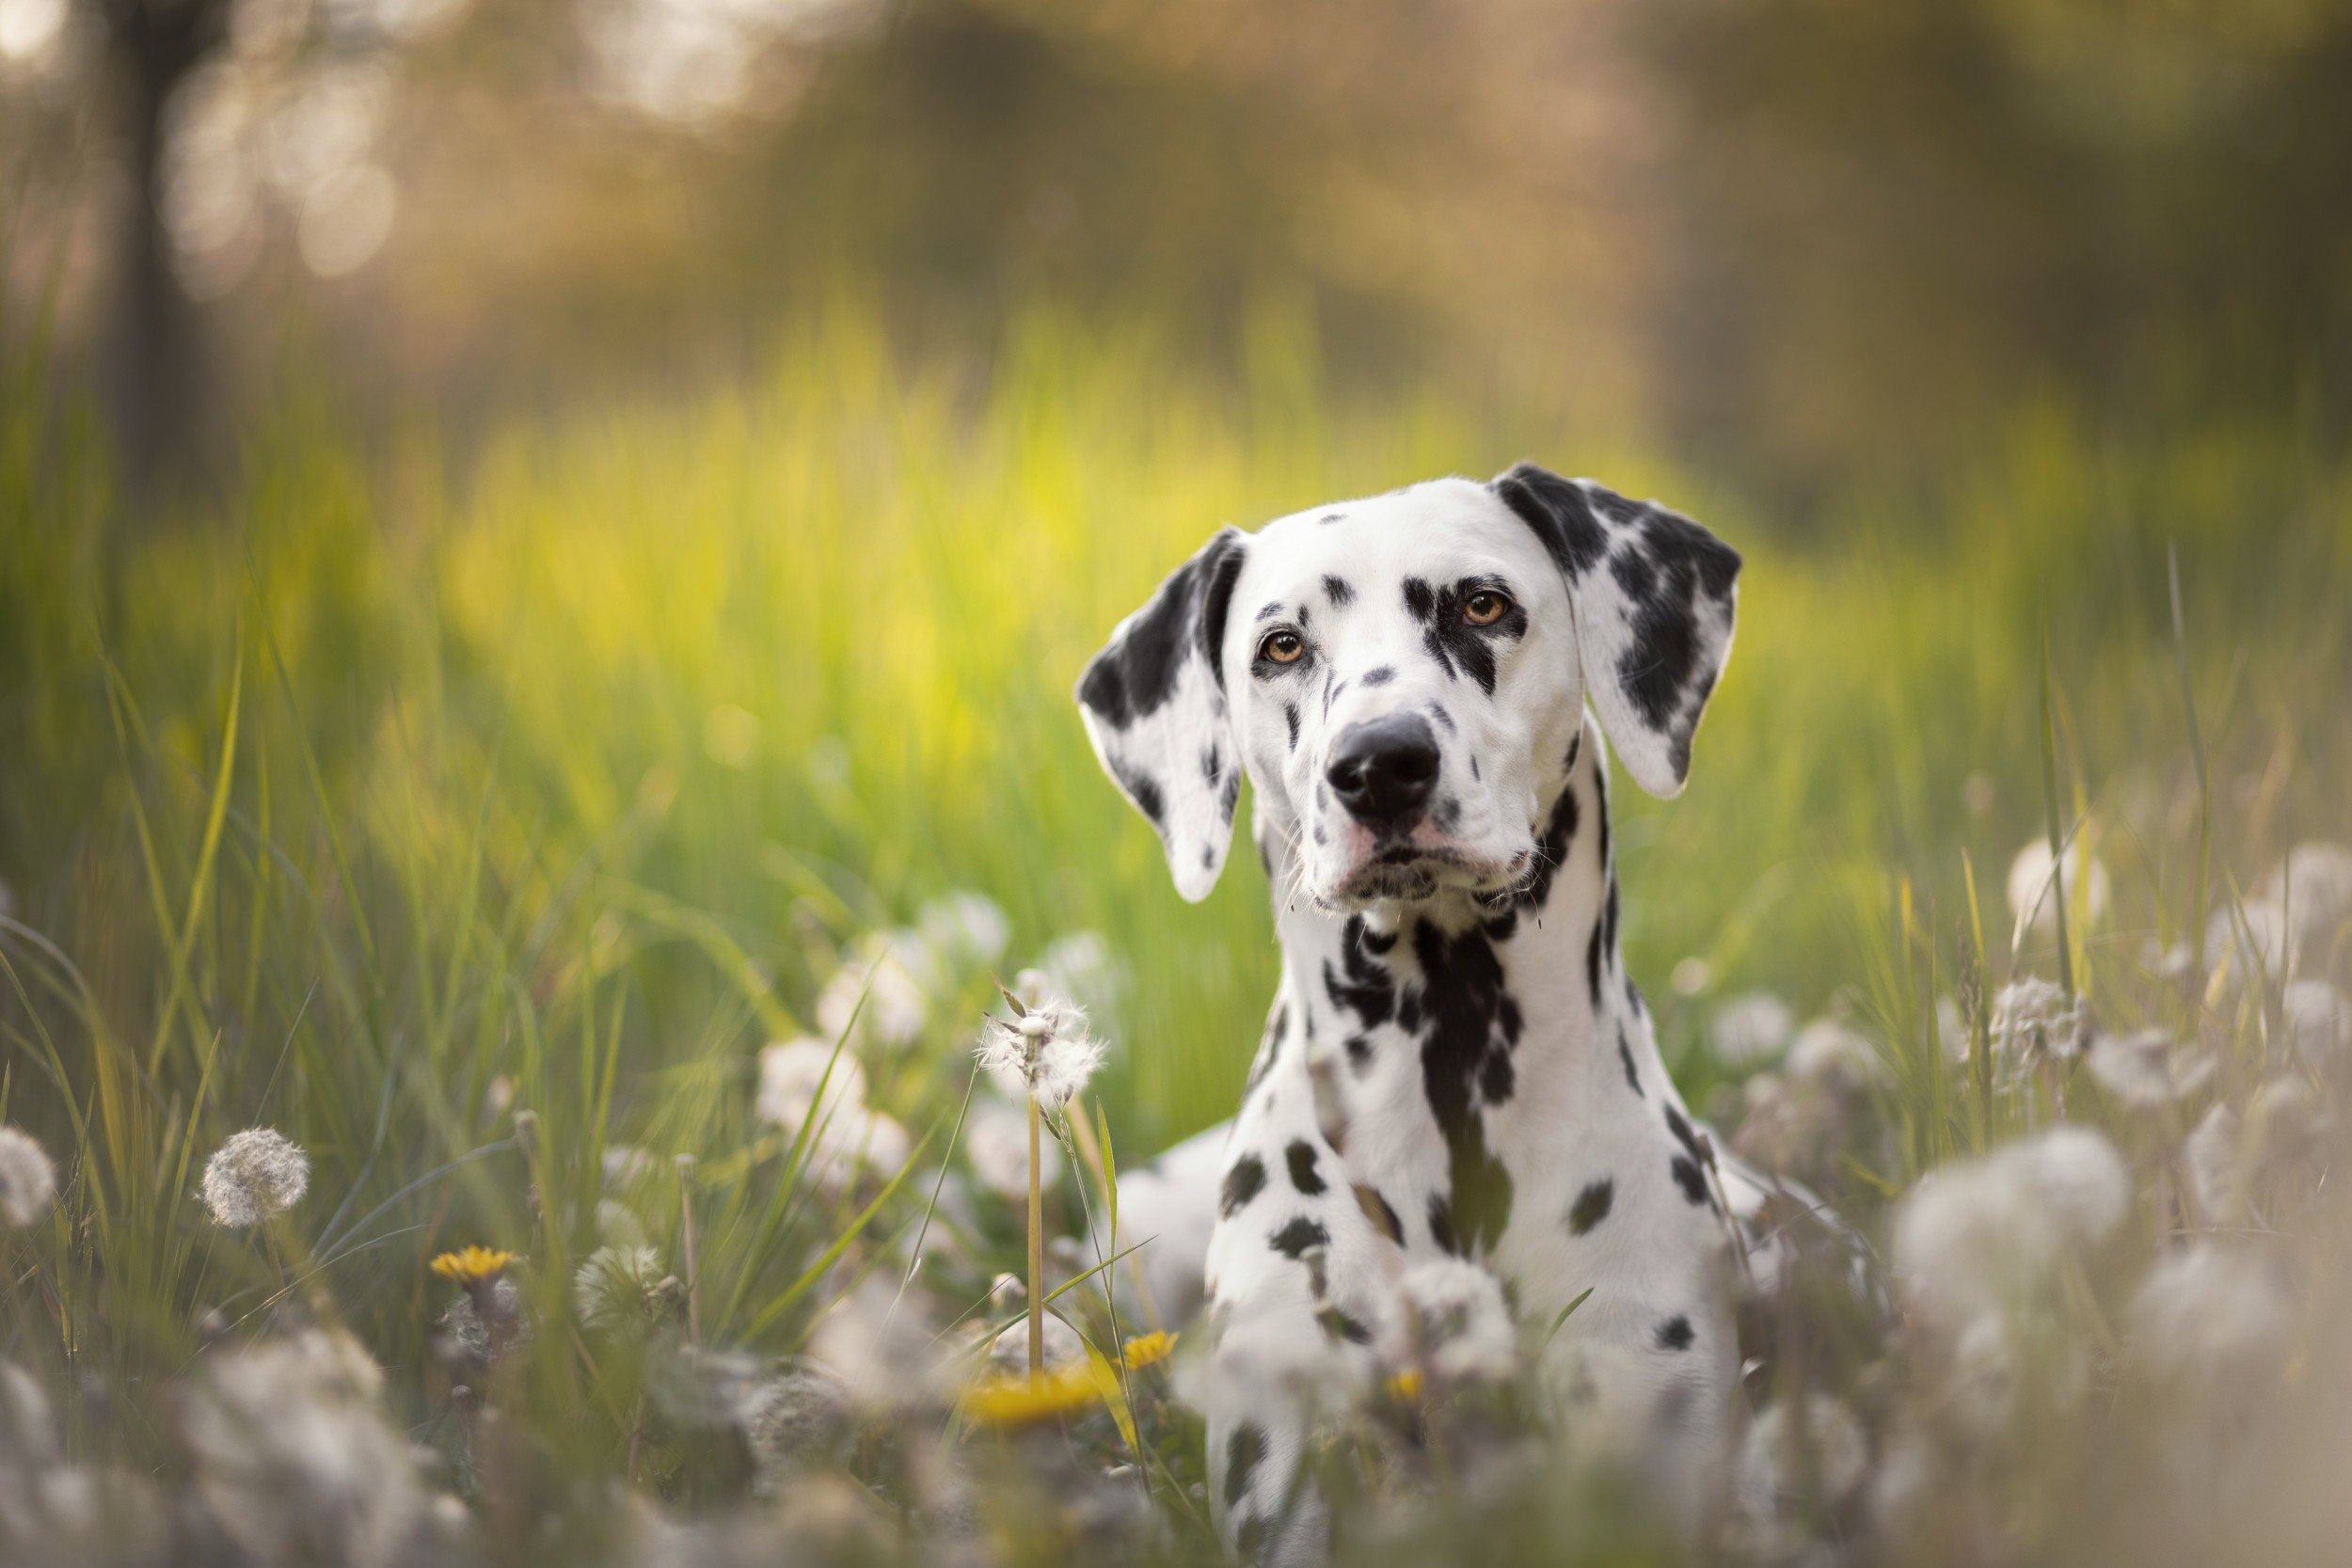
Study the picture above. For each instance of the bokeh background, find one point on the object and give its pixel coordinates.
(544, 546)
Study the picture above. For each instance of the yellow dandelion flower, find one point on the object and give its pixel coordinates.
(1149, 1350)
(473, 1266)
(1405, 1385)
(1012, 1400)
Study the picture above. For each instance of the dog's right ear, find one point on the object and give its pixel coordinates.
(1154, 701)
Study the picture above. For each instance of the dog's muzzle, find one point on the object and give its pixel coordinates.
(1384, 771)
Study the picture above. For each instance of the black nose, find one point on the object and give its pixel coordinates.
(1384, 770)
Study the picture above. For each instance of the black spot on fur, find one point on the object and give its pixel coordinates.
(1278, 1025)
(1634, 572)
(1379, 674)
(1242, 1183)
(1625, 1055)
(1243, 1451)
(1338, 1326)
(1444, 719)
(1592, 965)
(1359, 1054)
(1559, 512)
(1608, 918)
(1143, 790)
(1453, 642)
(1338, 592)
(1381, 1214)
(1466, 1057)
(1269, 611)
(1690, 1178)
(1212, 765)
(1290, 712)
(1332, 517)
(1442, 1225)
(1633, 997)
(1552, 849)
(1362, 984)
(1474, 767)
(1676, 1333)
(1592, 1206)
(1229, 795)
(1251, 1538)
(1300, 1156)
(1297, 1236)
(1683, 1135)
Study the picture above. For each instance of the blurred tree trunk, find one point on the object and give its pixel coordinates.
(153, 45)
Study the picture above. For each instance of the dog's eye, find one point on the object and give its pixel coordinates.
(1282, 647)
(1485, 608)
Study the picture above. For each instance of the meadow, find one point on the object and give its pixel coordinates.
(473, 806)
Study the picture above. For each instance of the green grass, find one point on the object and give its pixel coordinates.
(404, 782)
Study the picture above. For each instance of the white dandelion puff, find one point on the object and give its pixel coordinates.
(256, 1174)
(2216, 1169)
(965, 930)
(1783, 1464)
(2033, 1018)
(1085, 967)
(1752, 1028)
(1827, 1052)
(1449, 1316)
(1975, 1237)
(1045, 1054)
(2254, 937)
(790, 1074)
(881, 998)
(2033, 893)
(622, 1290)
(2318, 1021)
(2209, 1312)
(2313, 885)
(2148, 1069)
(28, 1182)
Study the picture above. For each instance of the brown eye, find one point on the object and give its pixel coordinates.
(1485, 608)
(1282, 647)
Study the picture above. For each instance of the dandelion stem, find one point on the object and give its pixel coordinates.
(2058, 848)
(1037, 1256)
(693, 1282)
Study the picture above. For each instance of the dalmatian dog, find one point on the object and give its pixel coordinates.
(1456, 1064)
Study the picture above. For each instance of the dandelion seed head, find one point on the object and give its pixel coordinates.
(1977, 1236)
(256, 1174)
(1772, 1478)
(1449, 1315)
(2211, 1313)
(1751, 1028)
(881, 1348)
(2216, 1169)
(794, 1421)
(618, 1289)
(2318, 1021)
(2033, 896)
(1827, 1052)
(1047, 1053)
(2148, 1069)
(2032, 1018)
(789, 1076)
(879, 999)
(965, 930)
(2254, 939)
(28, 1182)
(2312, 884)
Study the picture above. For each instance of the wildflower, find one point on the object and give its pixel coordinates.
(623, 1289)
(28, 1182)
(1044, 1055)
(2033, 895)
(294, 1458)
(2318, 1021)
(881, 998)
(1975, 1237)
(475, 1265)
(964, 929)
(1010, 1399)
(1148, 1350)
(1449, 1316)
(1751, 1028)
(256, 1174)
(2149, 1070)
(2032, 1019)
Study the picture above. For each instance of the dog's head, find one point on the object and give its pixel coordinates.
(1405, 678)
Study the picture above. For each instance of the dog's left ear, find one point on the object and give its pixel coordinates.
(1654, 595)
(1154, 706)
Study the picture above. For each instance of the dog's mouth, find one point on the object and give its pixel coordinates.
(1411, 869)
